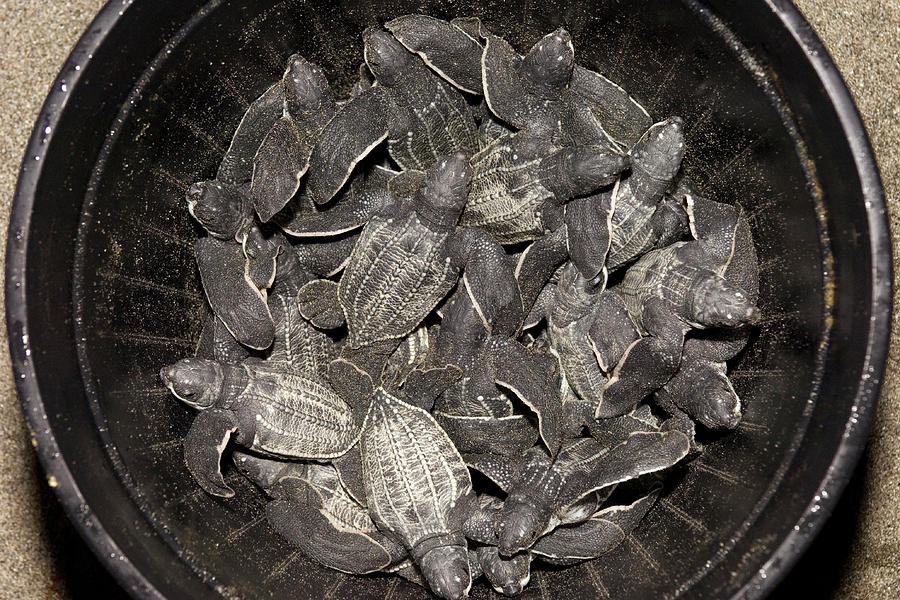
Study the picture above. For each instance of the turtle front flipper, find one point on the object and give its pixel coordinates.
(621, 116)
(534, 377)
(588, 225)
(502, 84)
(502, 470)
(701, 388)
(605, 530)
(537, 264)
(237, 164)
(217, 343)
(232, 295)
(280, 162)
(347, 138)
(490, 281)
(507, 575)
(647, 363)
(641, 453)
(365, 196)
(203, 447)
(297, 513)
(353, 385)
(350, 471)
(450, 51)
(319, 304)
(506, 436)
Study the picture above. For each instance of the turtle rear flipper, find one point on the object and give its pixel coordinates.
(232, 295)
(203, 447)
(702, 389)
(534, 377)
(647, 363)
(605, 530)
(297, 514)
(588, 224)
(347, 138)
(507, 575)
(350, 471)
(621, 116)
(506, 436)
(280, 162)
(450, 51)
(237, 164)
(318, 301)
(423, 386)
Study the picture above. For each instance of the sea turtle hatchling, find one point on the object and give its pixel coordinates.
(454, 51)
(404, 264)
(420, 115)
(701, 386)
(521, 182)
(269, 411)
(667, 293)
(544, 493)
(283, 155)
(417, 486)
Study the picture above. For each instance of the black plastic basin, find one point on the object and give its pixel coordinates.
(102, 289)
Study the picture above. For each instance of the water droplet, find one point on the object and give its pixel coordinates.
(64, 87)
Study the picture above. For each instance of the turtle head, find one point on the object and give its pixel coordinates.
(659, 152)
(442, 197)
(388, 60)
(547, 68)
(197, 382)
(522, 522)
(715, 302)
(446, 569)
(584, 169)
(306, 88)
(264, 472)
(220, 208)
(719, 405)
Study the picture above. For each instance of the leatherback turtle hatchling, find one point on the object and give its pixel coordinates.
(405, 263)
(283, 156)
(521, 182)
(417, 486)
(421, 116)
(543, 493)
(277, 406)
(454, 50)
(701, 387)
(667, 293)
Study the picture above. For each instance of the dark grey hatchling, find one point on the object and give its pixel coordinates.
(417, 486)
(545, 492)
(404, 264)
(420, 115)
(701, 386)
(669, 292)
(282, 157)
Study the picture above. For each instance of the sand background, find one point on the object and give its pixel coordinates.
(857, 556)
